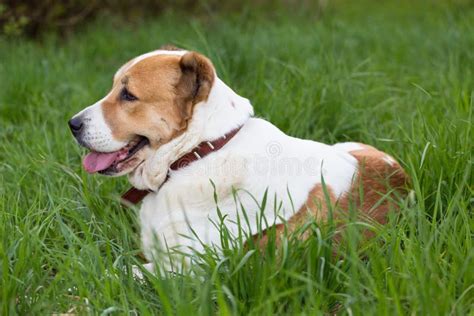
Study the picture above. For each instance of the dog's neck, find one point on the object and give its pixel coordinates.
(222, 112)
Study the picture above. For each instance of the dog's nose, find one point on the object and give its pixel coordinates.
(76, 125)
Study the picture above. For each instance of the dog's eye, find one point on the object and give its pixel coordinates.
(125, 95)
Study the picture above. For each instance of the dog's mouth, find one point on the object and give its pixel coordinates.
(112, 163)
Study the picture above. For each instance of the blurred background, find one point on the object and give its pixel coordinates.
(34, 18)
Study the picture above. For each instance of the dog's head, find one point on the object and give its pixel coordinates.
(151, 103)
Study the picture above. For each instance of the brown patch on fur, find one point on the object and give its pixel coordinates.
(317, 207)
(372, 193)
(167, 88)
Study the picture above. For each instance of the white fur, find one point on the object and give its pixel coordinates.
(348, 146)
(211, 120)
(97, 134)
(260, 158)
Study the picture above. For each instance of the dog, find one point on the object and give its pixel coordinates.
(189, 144)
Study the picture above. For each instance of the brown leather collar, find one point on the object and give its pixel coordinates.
(135, 196)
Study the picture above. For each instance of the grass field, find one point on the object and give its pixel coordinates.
(397, 77)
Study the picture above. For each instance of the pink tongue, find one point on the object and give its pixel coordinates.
(95, 161)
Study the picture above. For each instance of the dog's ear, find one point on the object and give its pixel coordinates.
(197, 76)
(194, 86)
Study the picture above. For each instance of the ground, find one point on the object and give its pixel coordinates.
(392, 75)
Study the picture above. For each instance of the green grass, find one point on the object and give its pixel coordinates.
(397, 77)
